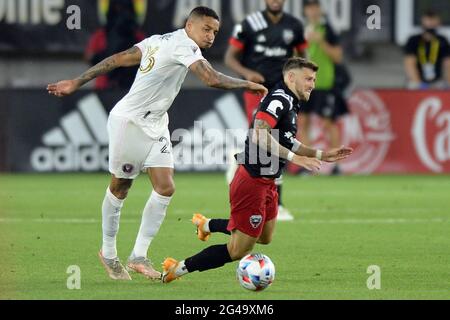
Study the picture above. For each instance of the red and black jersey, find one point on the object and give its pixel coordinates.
(266, 46)
(280, 110)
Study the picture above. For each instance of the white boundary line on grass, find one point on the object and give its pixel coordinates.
(299, 220)
(385, 210)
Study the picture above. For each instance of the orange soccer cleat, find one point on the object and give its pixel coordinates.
(169, 267)
(199, 220)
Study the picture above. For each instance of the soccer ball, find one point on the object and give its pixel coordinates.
(255, 272)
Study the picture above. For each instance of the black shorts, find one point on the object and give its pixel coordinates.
(326, 104)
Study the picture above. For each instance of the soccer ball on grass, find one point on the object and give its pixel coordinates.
(255, 272)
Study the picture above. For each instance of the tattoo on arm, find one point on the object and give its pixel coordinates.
(263, 137)
(213, 78)
(227, 82)
(130, 57)
(125, 58)
(133, 50)
(100, 68)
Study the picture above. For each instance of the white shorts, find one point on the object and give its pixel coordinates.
(131, 150)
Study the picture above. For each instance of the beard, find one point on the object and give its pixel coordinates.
(304, 97)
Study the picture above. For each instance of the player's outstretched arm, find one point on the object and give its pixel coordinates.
(212, 78)
(263, 138)
(331, 155)
(336, 154)
(126, 58)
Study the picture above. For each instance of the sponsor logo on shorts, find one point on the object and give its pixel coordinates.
(127, 168)
(255, 220)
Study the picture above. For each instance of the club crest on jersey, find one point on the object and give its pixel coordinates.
(194, 49)
(288, 36)
(255, 220)
(127, 168)
(149, 61)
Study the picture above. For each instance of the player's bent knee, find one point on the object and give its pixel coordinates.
(238, 253)
(119, 194)
(120, 188)
(166, 190)
(264, 241)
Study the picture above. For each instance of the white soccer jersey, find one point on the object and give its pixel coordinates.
(164, 66)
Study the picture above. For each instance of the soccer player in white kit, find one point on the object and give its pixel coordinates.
(139, 138)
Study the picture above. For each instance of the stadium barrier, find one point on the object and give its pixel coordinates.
(395, 131)
(392, 131)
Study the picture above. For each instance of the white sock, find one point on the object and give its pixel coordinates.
(206, 226)
(152, 218)
(181, 269)
(110, 224)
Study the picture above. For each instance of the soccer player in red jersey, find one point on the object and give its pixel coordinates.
(270, 144)
(259, 47)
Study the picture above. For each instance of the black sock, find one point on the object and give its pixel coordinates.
(210, 258)
(219, 225)
(279, 194)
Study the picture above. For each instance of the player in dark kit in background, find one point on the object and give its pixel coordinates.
(253, 195)
(326, 101)
(258, 49)
(120, 33)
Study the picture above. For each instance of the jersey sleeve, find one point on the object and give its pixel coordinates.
(272, 111)
(300, 43)
(142, 45)
(240, 36)
(411, 47)
(445, 48)
(187, 54)
(331, 36)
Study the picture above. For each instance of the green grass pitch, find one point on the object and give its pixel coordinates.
(343, 225)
